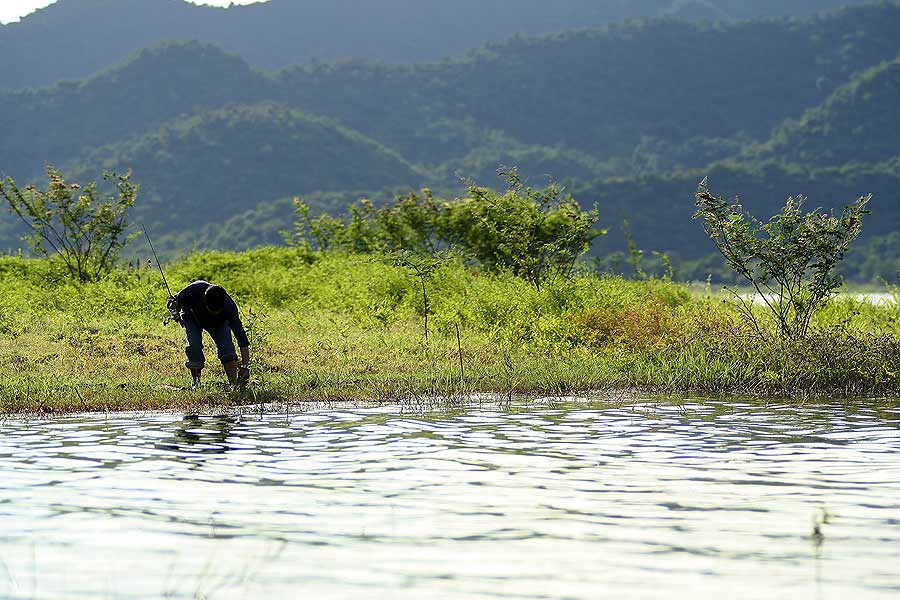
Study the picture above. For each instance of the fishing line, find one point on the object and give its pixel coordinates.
(152, 249)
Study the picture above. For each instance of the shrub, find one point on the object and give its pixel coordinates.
(83, 230)
(536, 234)
(411, 224)
(789, 260)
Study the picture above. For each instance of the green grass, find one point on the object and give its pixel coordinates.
(327, 327)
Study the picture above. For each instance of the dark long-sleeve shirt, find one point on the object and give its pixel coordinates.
(192, 304)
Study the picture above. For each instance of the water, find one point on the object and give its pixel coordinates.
(547, 500)
(876, 298)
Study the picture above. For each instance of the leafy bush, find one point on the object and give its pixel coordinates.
(790, 260)
(412, 223)
(85, 232)
(536, 234)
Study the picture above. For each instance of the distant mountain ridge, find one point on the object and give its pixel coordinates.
(72, 39)
(600, 92)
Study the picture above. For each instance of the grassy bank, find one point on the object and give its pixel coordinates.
(346, 327)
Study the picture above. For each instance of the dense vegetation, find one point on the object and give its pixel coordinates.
(334, 326)
(50, 45)
(536, 234)
(630, 117)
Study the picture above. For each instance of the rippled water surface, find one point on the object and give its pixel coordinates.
(713, 499)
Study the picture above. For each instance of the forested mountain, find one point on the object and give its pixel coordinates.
(857, 123)
(217, 163)
(631, 116)
(71, 39)
(56, 125)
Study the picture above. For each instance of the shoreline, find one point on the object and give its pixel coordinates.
(197, 402)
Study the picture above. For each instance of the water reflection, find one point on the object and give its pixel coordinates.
(541, 500)
(200, 436)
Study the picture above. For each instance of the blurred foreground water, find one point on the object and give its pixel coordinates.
(549, 499)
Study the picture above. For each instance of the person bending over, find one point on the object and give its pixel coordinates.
(204, 306)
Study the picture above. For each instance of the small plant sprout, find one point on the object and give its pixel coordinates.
(423, 267)
(820, 518)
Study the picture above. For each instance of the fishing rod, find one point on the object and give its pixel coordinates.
(157, 260)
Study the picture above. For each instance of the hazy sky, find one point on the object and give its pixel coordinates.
(13, 10)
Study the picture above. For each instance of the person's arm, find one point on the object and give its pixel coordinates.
(237, 326)
(234, 320)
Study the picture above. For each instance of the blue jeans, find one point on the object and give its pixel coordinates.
(194, 346)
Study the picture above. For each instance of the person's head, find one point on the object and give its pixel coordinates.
(215, 299)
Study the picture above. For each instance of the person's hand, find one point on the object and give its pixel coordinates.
(243, 373)
(174, 309)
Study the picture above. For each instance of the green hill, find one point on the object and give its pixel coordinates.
(603, 91)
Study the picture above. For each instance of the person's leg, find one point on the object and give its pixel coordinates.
(227, 353)
(193, 349)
